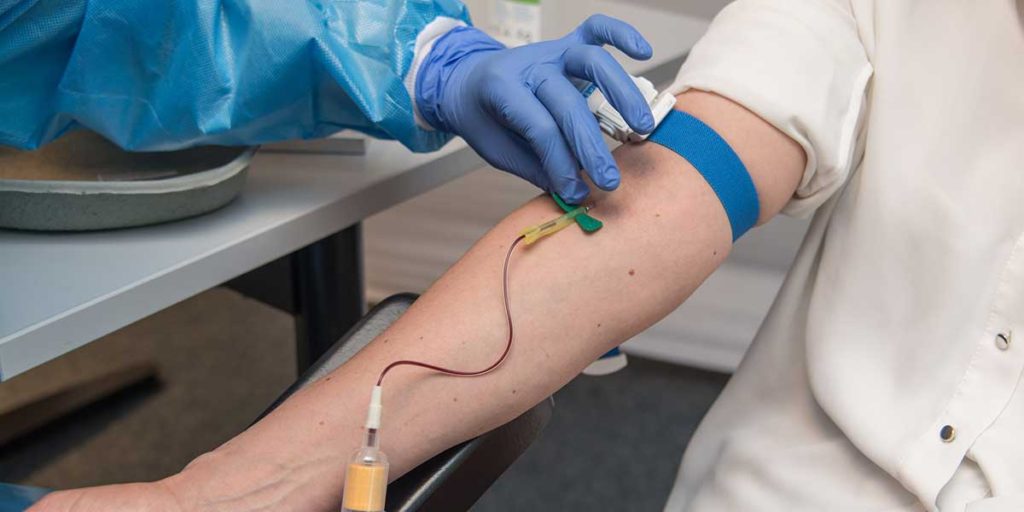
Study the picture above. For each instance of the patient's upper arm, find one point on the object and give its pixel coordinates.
(774, 161)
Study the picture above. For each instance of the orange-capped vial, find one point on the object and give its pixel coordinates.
(366, 479)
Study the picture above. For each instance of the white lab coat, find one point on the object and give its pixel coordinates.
(885, 376)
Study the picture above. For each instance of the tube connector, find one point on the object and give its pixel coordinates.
(373, 414)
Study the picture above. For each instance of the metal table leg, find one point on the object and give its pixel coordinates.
(320, 284)
(328, 291)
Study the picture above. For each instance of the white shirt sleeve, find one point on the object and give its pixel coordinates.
(798, 64)
(424, 43)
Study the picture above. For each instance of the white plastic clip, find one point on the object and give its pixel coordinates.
(612, 123)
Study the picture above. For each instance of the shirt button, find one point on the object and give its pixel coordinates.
(947, 433)
(1003, 340)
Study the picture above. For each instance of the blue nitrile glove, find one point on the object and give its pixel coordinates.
(518, 108)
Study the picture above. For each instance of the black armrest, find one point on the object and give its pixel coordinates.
(454, 480)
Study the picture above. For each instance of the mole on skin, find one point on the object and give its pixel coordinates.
(632, 272)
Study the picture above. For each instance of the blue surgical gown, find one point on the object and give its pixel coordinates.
(167, 74)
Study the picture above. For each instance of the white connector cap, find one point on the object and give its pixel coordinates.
(373, 414)
(612, 123)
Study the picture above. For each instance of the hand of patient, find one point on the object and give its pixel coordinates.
(145, 497)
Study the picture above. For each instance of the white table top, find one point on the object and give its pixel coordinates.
(61, 291)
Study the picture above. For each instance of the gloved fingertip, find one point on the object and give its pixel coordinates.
(642, 120)
(643, 48)
(541, 183)
(607, 178)
(611, 179)
(646, 121)
(575, 193)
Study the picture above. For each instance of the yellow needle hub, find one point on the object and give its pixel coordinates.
(534, 233)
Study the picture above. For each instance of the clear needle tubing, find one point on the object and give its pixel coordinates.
(366, 476)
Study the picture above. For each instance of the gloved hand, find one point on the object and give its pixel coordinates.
(518, 108)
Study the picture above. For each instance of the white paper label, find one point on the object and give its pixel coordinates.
(517, 22)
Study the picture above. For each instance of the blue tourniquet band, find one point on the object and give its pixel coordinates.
(717, 162)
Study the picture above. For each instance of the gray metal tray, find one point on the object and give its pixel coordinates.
(83, 182)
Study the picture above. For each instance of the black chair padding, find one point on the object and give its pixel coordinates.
(455, 479)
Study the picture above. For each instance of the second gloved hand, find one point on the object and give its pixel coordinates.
(520, 110)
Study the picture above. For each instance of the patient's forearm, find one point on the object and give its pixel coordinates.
(573, 297)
